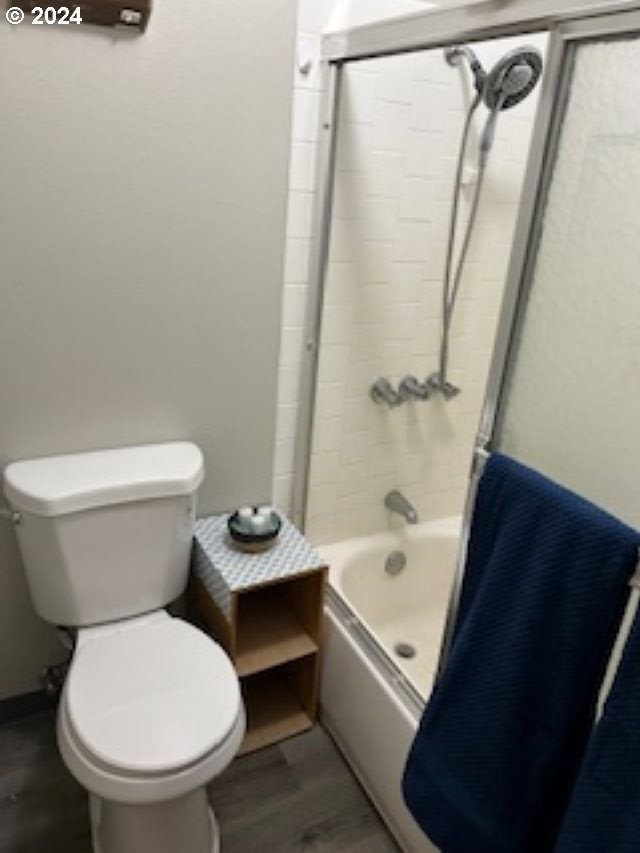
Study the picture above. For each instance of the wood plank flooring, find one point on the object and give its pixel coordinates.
(296, 796)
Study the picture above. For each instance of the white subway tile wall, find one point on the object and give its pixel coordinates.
(400, 123)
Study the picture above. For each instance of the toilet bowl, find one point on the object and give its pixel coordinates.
(151, 709)
(150, 713)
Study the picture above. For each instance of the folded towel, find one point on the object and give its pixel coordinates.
(604, 812)
(498, 748)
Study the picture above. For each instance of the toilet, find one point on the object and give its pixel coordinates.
(151, 709)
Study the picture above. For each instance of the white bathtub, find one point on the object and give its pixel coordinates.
(371, 697)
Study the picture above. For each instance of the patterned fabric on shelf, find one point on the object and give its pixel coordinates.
(224, 569)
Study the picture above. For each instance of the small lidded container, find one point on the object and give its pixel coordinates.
(254, 529)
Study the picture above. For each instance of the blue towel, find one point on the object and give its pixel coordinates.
(497, 751)
(604, 812)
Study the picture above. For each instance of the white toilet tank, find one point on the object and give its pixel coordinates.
(106, 535)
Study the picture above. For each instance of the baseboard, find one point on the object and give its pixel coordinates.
(26, 705)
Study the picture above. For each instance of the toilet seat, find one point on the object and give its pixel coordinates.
(131, 788)
(150, 710)
(151, 695)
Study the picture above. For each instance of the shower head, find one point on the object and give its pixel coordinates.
(512, 78)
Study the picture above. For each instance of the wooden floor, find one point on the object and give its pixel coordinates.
(298, 796)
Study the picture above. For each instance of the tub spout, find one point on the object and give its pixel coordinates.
(396, 502)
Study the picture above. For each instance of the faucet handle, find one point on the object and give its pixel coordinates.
(435, 383)
(410, 389)
(383, 392)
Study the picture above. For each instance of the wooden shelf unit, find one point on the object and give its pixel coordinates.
(274, 709)
(274, 638)
(269, 633)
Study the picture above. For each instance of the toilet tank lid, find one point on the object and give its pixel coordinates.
(58, 485)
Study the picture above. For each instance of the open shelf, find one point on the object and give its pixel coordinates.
(274, 710)
(270, 634)
(270, 622)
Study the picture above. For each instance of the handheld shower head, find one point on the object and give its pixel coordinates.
(512, 78)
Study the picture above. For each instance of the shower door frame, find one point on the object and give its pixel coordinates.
(567, 27)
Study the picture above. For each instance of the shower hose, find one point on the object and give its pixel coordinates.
(453, 276)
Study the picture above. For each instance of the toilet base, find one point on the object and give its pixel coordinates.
(187, 824)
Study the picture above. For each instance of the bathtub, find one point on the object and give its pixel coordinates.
(383, 635)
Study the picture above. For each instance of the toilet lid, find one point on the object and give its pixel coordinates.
(152, 698)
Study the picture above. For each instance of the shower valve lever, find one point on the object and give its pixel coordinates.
(383, 392)
(437, 385)
(411, 389)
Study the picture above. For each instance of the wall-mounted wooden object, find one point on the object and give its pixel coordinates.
(123, 14)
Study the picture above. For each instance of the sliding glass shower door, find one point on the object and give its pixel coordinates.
(571, 403)
(564, 389)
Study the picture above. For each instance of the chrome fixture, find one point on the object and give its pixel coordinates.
(510, 80)
(396, 502)
(395, 563)
(383, 392)
(410, 389)
(455, 55)
(447, 389)
(405, 650)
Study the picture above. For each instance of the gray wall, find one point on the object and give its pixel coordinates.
(142, 214)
